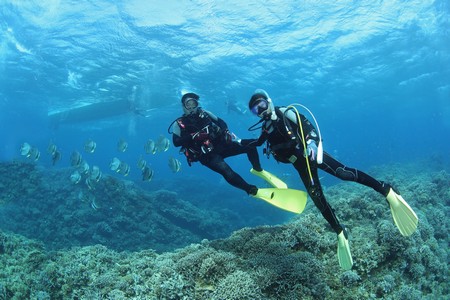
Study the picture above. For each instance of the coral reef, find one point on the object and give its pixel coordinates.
(44, 205)
(294, 260)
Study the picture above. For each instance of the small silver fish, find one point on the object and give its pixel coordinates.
(93, 204)
(75, 177)
(174, 165)
(150, 147)
(56, 156)
(90, 183)
(147, 174)
(83, 168)
(51, 149)
(25, 149)
(95, 174)
(119, 166)
(34, 153)
(114, 165)
(122, 145)
(90, 146)
(29, 152)
(142, 163)
(163, 144)
(123, 169)
(75, 159)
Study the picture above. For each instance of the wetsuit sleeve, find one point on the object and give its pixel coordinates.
(221, 123)
(255, 142)
(177, 139)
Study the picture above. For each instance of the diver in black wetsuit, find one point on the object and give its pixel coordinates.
(206, 138)
(287, 140)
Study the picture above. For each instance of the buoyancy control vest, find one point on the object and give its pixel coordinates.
(199, 123)
(284, 138)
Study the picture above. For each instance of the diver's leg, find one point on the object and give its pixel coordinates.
(253, 157)
(315, 191)
(252, 153)
(216, 163)
(404, 216)
(336, 168)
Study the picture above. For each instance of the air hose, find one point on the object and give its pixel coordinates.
(319, 147)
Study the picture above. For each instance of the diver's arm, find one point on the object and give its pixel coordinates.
(211, 115)
(228, 136)
(221, 123)
(255, 142)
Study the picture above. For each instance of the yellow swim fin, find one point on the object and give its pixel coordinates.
(343, 252)
(270, 178)
(404, 217)
(287, 199)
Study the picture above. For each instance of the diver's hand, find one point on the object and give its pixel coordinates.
(200, 136)
(228, 136)
(236, 139)
(311, 149)
(231, 137)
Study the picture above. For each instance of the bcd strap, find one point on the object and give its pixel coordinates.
(191, 155)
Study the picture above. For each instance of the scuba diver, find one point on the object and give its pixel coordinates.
(291, 138)
(233, 106)
(204, 137)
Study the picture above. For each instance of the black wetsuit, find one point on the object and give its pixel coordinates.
(287, 148)
(212, 151)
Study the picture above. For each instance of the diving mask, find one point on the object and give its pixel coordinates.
(190, 105)
(260, 108)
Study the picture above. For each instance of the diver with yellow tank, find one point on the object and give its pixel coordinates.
(291, 138)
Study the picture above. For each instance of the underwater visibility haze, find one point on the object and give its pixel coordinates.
(97, 203)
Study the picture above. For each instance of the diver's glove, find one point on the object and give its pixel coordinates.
(236, 139)
(200, 136)
(311, 149)
(228, 136)
(231, 138)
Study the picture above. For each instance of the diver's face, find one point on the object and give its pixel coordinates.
(191, 105)
(261, 108)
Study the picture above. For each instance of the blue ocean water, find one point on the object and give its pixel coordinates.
(375, 74)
